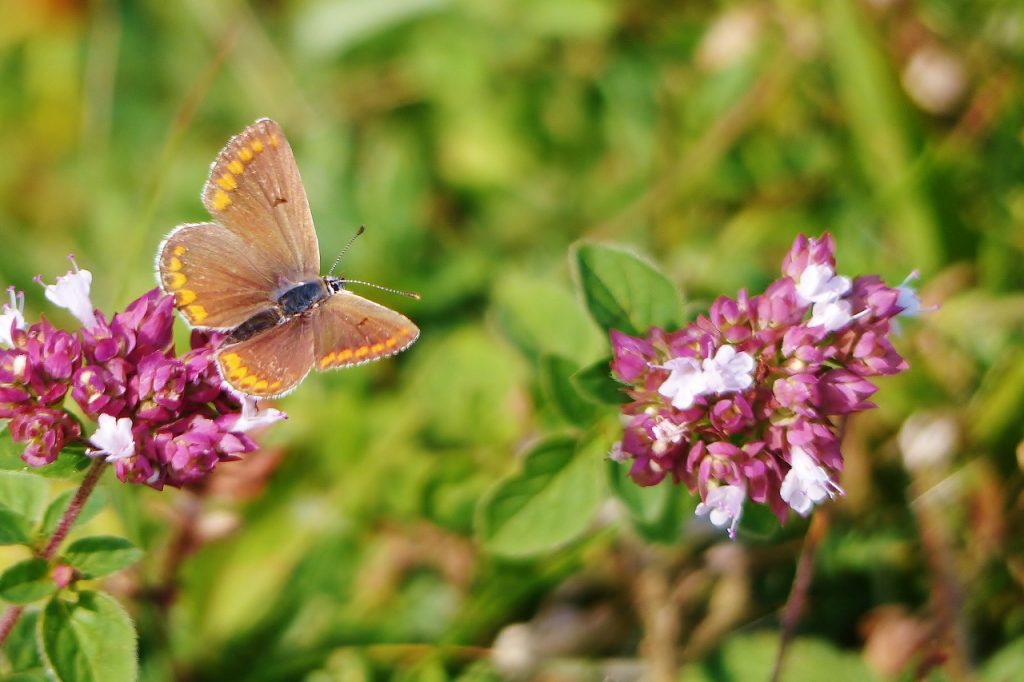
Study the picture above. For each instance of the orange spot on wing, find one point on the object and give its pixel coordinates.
(174, 264)
(257, 145)
(180, 250)
(344, 355)
(362, 351)
(245, 154)
(274, 141)
(236, 167)
(227, 182)
(174, 280)
(231, 360)
(248, 382)
(196, 312)
(261, 385)
(390, 343)
(377, 348)
(184, 297)
(328, 359)
(221, 200)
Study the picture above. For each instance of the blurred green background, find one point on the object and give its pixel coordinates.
(478, 140)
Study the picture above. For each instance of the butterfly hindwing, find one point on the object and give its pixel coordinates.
(351, 330)
(213, 275)
(255, 191)
(271, 363)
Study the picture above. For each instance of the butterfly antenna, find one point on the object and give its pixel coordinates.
(410, 294)
(362, 228)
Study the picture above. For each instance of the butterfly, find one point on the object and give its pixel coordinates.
(254, 275)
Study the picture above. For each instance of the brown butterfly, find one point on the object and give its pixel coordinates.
(254, 274)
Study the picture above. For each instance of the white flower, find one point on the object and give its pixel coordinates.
(12, 317)
(72, 292)
(806, 484)
(617, 454)
(114, 438)
(831, 315)
(251, 418)
(684, 384)
(908, 300)
(819, 284)
(723, 505)
(666, 433)
(728, 370)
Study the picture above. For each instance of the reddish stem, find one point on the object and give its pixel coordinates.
(801, 586)
(92, 477)
(67, 520)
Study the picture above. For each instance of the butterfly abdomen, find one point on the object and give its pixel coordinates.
(261, 321)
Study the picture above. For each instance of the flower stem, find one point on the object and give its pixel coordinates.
(801, 586)
(11, 615)
(92, 477)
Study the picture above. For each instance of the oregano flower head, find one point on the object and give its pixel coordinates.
(744, 403)
(161, 419)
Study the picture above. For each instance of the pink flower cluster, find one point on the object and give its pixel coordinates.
(162, 419)
(745, 403)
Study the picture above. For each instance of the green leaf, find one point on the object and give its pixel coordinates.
(555, 373)
(91, 640)
(748, 656)
(625, 293)
(15, 529)
(658, 512)
(68, 464)
(539, 317)
(547, 503)
(34, 675)
(20, 649)
(100, 555)
(595, 382)
(23, 493)
(26, 581)
(93, 506)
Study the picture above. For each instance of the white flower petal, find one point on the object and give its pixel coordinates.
(684, 383)
(806, 484)
(819, 284)
(114, 437)
(831, 315)
(252, 418)
(723, 506)
(71, 291)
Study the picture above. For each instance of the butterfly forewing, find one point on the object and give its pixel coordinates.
(255, 191)
(272, 363)
(350, 330)
(214, 275)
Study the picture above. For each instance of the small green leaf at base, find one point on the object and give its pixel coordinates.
(549, 502)
(555, 373)
(26, 581)
(68, 464)
(596, 383)
(91, 640)
(623, 292)
(100, 555)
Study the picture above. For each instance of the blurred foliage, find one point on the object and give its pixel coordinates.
(478, 140)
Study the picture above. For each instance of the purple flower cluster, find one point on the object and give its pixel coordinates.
(745, 403)
(162, 419)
